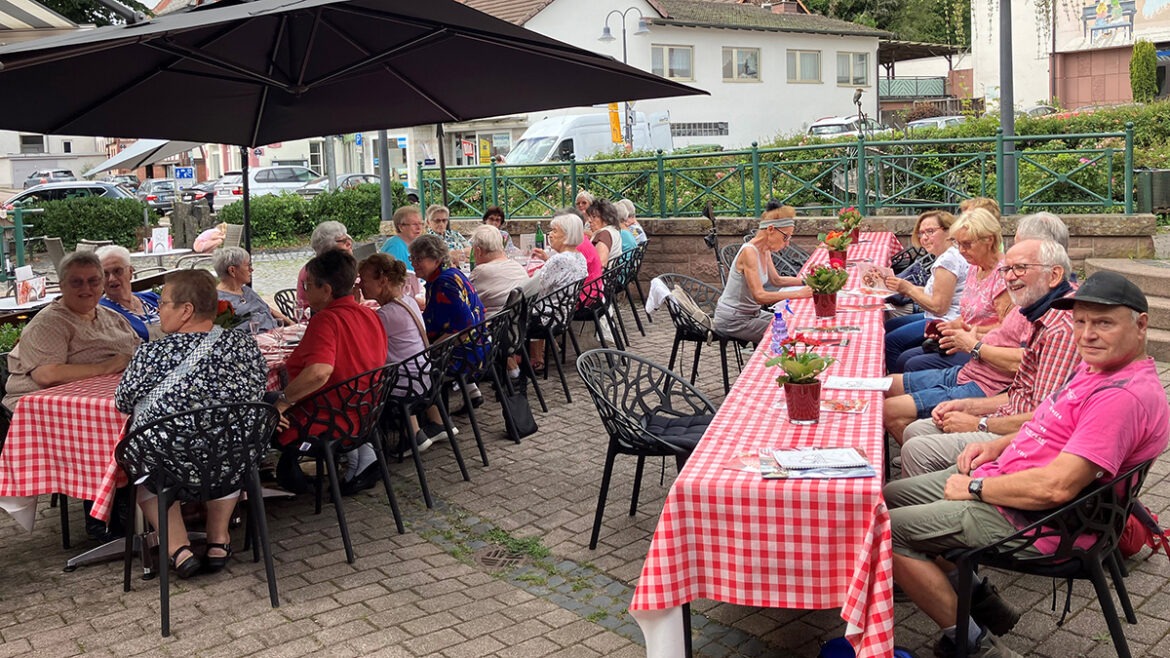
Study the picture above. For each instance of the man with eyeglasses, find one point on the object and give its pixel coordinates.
(1036, 273)
(73, 337)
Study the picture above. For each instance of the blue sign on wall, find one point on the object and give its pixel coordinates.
(185, 173)
(357, 139)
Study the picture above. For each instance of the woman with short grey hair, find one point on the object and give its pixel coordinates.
(234, 267)
(327, 235)
(139, 308)
(566, 265)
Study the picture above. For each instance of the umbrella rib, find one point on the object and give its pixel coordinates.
(263, 102)
(173, 48)
(309, 49)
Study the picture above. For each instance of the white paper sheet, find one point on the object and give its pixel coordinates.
(858, 383)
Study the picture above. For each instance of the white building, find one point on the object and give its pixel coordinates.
(1031, 37)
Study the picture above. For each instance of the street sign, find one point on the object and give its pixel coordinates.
(428, 162)
(185, 173)
(375, 162)
(401, 142)
(468, 148)
(258, 152)
(357, 139)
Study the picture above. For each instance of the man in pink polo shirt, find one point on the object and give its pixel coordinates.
(1111, 416)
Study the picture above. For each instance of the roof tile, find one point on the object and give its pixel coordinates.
(731, 14)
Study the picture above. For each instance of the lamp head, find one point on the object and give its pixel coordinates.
(606, 35)
(643, 27)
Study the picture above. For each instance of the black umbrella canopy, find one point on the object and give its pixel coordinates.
(255, 73)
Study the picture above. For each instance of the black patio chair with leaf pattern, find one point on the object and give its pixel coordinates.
(688, 328)
(784, 266)
(514, 342)
(550, 318)
(597, 308)
(286, 301)
(473, 362)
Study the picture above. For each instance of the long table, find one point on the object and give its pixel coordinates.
(731, 536)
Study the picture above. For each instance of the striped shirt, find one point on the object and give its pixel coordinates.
(1049, 358)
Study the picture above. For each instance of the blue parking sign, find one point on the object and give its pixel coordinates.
(185, 173)
(357, 139)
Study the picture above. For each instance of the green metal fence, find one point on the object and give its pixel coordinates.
(1062, 173)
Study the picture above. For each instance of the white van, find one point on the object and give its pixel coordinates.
(585, 135)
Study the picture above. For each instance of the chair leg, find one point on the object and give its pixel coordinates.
(642, 298)
(605, 477)
(966, 586)
(318, 486)
(474, 421)
(674, 351)
(128, 557)
(1105, 598)
(335, 493)
(526, 367)
(450, 427)
(380, 454)
(1114, 563)
(259, 522)
(556, 360)
(164, 561)
(723, 362)
(637, 485)
(634, 310)
(615, 313)
(695, 367)
(404, 418)
(63, 507)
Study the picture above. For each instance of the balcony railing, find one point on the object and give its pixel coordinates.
(912, 87)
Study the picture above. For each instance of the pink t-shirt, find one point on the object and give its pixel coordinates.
(593, 266)
(1014, 332)
(977, 307)
(1116, 420)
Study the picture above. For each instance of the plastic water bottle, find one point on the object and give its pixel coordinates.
(779, 331)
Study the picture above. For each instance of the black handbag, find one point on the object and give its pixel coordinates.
(517, 412)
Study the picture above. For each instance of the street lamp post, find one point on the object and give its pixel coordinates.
(607, 36)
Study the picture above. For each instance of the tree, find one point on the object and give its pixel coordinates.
(928, 21)
(91, 11)
(1143, 71)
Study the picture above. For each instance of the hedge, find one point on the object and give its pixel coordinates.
(283, 219)
(93, 218)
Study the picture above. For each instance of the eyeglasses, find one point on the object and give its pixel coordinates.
(115, 272)
(787, 236)
(171, 301)
(1019, 269)
(965, 245)
(411, 224)
(91, 282)
(344, 240)
(927, 232)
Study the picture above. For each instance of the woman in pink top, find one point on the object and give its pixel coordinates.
(985, 302)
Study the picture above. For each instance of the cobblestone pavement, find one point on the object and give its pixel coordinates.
(500, 566)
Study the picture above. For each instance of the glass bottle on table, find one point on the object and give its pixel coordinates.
(539, 239)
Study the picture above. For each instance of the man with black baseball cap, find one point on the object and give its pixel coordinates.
(1110, 416)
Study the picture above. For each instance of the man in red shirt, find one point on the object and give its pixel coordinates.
(343, 340)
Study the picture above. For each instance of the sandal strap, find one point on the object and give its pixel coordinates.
(175, 555)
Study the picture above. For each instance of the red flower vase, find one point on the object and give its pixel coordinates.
(825, 304)
(855, 234)
(837, 258)
(804, 402)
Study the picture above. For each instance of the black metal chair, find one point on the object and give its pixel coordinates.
(286, 301)
(631, 262)
(1100, 511)
(905, 258)
(688, 329)
(339, 419)
(550, 318)
(785, 266)
(647, 410)
(597, 307)
(199, 455)
(514, 342)
(473, 362)
(417, 385)
(639, 259)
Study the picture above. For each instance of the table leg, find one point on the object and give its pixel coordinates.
(667, 633)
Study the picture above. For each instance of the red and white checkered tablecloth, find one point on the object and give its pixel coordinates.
(732, 536)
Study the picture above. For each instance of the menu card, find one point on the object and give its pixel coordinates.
(796, 460)
(858, 383)
(30, 290)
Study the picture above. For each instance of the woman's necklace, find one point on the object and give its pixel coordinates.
(141, 310)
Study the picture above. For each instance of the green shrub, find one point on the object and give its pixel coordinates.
(277, 219)
(1143, 71)
(359, 208)
(93, 218)
(9, 334)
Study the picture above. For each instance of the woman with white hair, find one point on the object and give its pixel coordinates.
(583, 201)
(439, 223)
(139, 308)
(233, 265)
(629, 244)
(631, 224)
(495, 275)
(566, 265)
(327, 235)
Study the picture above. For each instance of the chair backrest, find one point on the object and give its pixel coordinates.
(233, 235)
(626, 389)
(85, 246)
(347, 411)
(555, 310)
(419, 378)
(202, 453)
(364, 250)
(691, 304)
(56, 250)
(191, 261)
(515, 332)
(286, 301)
(907, 256)
(475, 346)
(727, 255)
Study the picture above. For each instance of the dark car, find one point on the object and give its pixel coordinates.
(158, 193)
(204, 191)
(69, 190)
(129, 181)
(344, 182)
(42, 176)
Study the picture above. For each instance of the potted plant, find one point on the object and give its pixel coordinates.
(837, 243)
(825, 282)
(850, 221)
(802, 388)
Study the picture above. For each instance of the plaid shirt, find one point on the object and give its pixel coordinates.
(1048, 360)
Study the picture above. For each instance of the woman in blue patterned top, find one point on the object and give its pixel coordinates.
(233, 265)
(227, 367)
(139, 308)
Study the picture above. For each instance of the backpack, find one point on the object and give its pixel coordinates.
(1142, 529)
(689, 307)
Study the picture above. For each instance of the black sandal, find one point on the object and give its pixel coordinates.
(188, 567)
(215, 563)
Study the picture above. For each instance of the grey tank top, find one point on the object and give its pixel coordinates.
(736, 298)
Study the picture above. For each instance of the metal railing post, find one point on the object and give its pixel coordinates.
(572, 180)
(862, 183)
(661, 184)
(999, 164)
(495, 183)
(759, 210)
(1129, 167)
(422, 187)
(18, 233)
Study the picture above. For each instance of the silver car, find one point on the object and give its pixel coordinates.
(344, 182)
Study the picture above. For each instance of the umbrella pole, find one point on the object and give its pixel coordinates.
(247, 200)
(442, 165)
(384, 176)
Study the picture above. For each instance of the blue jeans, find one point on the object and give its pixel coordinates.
(914, 359)
(931, 387)
(903, 333)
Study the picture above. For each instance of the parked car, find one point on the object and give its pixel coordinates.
(829, 126)
(130, 181)
(936, 122)
(274, 180)
(68, 190)
(43, 176)
(1041, 110)
(229, 188)
(204, 191)
(344, 182)
(158, 193)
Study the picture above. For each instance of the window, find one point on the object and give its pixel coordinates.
(852, 69)
(673, 62)
(67, 146)
(741, 64)
(699, 129)
(265, 176)
(32, 144)
(317, 156)
(804, 66)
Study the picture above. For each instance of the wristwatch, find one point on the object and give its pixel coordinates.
(975, 488)
(982, 426)
(975, 350)
(283, 398)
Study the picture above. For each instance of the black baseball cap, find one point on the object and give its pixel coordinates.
(1109, 288)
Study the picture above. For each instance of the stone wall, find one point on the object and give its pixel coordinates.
(676, 245)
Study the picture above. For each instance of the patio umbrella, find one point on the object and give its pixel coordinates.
(144, 152)
(255, 73)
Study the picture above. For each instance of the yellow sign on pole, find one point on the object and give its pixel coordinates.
(615, 124)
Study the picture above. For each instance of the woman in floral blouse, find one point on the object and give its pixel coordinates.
(231, 369)
(439, 223)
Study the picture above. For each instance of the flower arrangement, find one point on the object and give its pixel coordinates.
(836, 240)
(849, 218)
(826, 280)
(800, 366)
(225, 315)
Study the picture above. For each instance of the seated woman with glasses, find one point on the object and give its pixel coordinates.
(139, 308)
(408, 225)
(738, 314)
(939, 298)
(494, 216)
(327, 235)
(233, 265)
(197, 364)
(439, 223)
